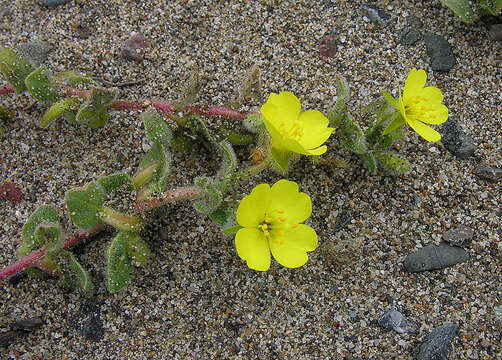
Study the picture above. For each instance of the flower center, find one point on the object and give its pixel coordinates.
(273, 225)
(417, 108)
(291, 129)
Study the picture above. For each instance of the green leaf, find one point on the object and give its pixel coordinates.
(138, 251)
(84, 205)
(94, 112)
(393, 101)
(461, 8)
(375, 107)
(236, 138)
(74, 276)
(156, 127)
(281, 158)
(157, 153)
(212, 196)
(45, 214)
(254, 123)
(39, 85)
(121, 221)
(340, 106)
(15, 69)
(50, 235)
(118, 262)
(181, 143)
(351, 135)
(68, 105)
(113, 182)
(370, 162)
(232, 230)
(220, 216)
(490, 7)
(395, 124)
(71, 78)
(393, 162)
(229, 160)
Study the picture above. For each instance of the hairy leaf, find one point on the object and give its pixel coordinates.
(94, 112)
(15, 69)
(74, 276)
(84, 205)
(44, 214)
(156, 127)
(393, 162)
(118, 262)
(340, 107)
(39, 85)
(62, 107)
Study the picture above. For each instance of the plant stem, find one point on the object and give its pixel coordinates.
(182, 193)
(6, 89)
(33, 258)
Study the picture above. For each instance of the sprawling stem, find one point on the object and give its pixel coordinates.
(32, 259)
(182, 193)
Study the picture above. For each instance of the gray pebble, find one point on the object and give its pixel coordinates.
(394, 320)
(376, 15)
(456, 140)
(439, 51)
(496, 32)
(459, 236)
(436, 345)
(432, 257)
(35, 51)
(409, 36)
(135, 47)
(488, 173)
(53, 3)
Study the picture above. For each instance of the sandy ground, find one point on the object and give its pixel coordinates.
(196, 299)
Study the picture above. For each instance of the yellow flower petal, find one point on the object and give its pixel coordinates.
(415, 82)
(252, 247)
(284, 105)
(424, 131)
(284, 196)
(432, 95)
(315, 131)
(290, 251)
(252, 208)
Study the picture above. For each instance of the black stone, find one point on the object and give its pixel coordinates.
(409, 36)
(496, 32)
(53, 3)
(439, 51)
(436, 345)
(459, 236)
(394, 320)
(456, 140)
(432, 257)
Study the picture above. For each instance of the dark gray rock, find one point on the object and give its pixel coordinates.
(439, 51)
(432, 257)
(376, 15)
(436, 345)
(343, 219)
(53, 3)
(488, 173)
(409, 36)
(394, 320)
(459, 236)
(456, 140)
(496, 32)
(89, 319)
(35, 51)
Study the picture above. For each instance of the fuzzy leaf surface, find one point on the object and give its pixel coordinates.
(74, 274)
(94, 112)
(118, 261)
(15, 69)
(84, 205)
(44, 214)
(60, 108)
(39, 85)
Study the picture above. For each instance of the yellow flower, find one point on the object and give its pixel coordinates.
(290, 130)
(420, 105)
(271, 222)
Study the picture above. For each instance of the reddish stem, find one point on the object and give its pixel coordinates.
(182, 193)
(6, 89)
(32, 259)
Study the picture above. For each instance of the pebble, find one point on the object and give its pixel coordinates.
(409, 36)
(436, 345)
(456, 140)
(439, 51)
(491, 174)
(53, 3)
(394, 320)
(135, 47)
(376, 15)
(459, 236)
(35, 51)
(327, 45)
(435, 257)
(496, 32)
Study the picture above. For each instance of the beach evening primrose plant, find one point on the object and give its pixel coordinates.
(270, 220)
(419, 105)
(293, 131)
